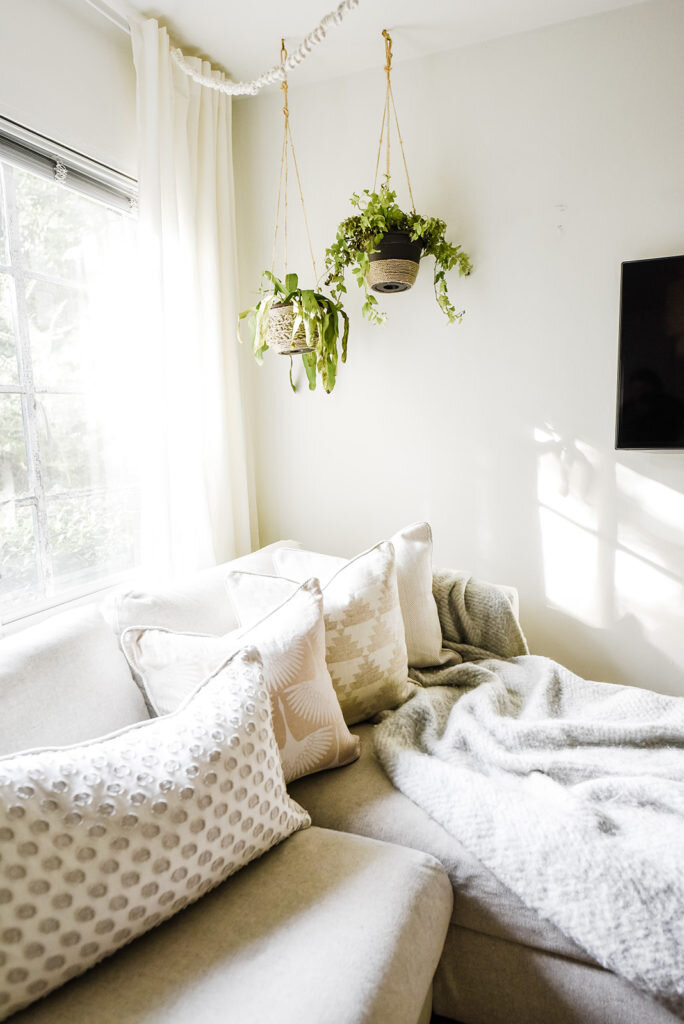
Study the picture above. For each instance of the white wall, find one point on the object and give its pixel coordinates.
(66, 72)
(553, 156)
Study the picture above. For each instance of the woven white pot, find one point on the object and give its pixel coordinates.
(279, 333)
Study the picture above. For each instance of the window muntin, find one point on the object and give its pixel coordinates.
(69, 501)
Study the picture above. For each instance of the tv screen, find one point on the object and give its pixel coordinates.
(650, 411)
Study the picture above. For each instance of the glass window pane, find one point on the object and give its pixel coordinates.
(70, 443)
(91, 535)
(18, 569)
(9, 371)
(59, 229)
(8, 353)
(55, 313)
(14, 477)
(3, 221)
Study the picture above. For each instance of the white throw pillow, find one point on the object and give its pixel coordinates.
(194, 605)
(307, 719)
(364, 630)
(102, 841)
(413, 550)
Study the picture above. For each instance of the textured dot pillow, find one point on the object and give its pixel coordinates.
(102, 841)
(364, 630)
(307, 718)
(413, 551)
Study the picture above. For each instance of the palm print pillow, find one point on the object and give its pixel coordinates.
(307, 718)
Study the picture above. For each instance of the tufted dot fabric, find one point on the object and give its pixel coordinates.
(100, 842)
(307, 717)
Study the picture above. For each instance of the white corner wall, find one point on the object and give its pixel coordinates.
(66, 72)
(553, 156)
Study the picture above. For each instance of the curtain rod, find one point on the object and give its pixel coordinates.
(116, 13)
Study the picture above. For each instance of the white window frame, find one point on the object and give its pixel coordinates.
(27, 150)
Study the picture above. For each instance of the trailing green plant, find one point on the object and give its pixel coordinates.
(324, 321)
(360, 235)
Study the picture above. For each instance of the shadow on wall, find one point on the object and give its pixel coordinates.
(612, 543)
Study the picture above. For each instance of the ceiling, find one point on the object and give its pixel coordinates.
(244, 38)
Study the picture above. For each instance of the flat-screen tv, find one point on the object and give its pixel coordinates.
(650, 406)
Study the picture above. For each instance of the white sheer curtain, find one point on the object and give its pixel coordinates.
(197, 495)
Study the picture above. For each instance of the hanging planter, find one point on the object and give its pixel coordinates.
(394, 264)
(284, 333)
(382, 244)
(288, 319)
(291, 320)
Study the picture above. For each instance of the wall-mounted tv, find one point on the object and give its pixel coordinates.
(650, 407)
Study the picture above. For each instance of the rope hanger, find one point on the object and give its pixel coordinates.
(385, 127)
(287, 148)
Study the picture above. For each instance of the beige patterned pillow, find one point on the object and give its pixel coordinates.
(413, 551)
(307, 719)
(102, 841)
(364, 629)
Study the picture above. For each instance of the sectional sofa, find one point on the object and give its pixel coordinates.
(371, 914)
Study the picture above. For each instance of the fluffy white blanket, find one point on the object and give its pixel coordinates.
(570, 791)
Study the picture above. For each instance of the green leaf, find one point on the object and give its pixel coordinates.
(309, 361)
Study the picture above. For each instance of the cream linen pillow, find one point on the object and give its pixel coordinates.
(307, 719)
(102, 841)
(413, 551)
(364, 630)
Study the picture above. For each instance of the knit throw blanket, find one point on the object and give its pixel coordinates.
(570, 791)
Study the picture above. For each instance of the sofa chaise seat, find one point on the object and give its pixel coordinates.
(502, 961)
(325, 928)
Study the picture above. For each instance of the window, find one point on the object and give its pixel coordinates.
(69, 501)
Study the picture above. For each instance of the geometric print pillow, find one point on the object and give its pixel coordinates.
(364, 630)
(413, 551)
(307, 719)
(102, 841)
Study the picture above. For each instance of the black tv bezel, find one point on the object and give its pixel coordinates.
(620, 367)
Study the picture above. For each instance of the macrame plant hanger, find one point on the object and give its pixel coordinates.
(394, 264)
(389, 110)
(284, 335)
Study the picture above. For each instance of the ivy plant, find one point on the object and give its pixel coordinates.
(360, 235)
(324, 321)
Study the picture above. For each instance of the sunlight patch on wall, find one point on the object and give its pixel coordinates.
(570, 556)
(649, 583)
(568, 519)
(650, 518)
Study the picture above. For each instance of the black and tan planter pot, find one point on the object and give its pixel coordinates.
(394, 267)
(281, 319)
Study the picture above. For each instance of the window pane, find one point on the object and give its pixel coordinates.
(18, 570)
(3, 222)
(14, 480)
(8, 352)
(91, 535)
(58, 228)
(71, 444)
(55, 313)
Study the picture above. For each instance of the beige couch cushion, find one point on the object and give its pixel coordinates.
(361, 799)
(64, 681)
(324, 929)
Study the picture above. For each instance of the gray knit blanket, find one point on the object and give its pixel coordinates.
(570, 791)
